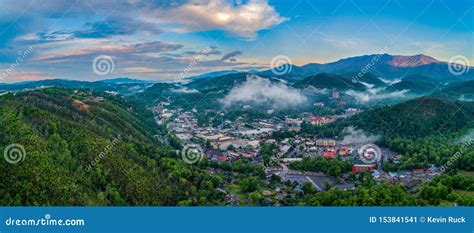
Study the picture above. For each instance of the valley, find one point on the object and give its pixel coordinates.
(244, 138)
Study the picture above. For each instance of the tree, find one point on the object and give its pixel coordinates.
(249, 184)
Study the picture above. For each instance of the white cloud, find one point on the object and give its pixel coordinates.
(261, 91)
(468, 138)
(185, 90)
(375, 94)
(390, 82)
(243, 20)
(367, 85)
(311, 90)
(357, 136)
(463, 98)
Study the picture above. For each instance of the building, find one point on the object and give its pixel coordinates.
(322, 120)
(290, 160)
(351, 111)
(215, 155)
(343, 151)
(249, 154)
(329, 154)
(326, 142)
(358, 168)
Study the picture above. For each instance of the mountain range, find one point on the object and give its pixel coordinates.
(385, 65)
(360, 79)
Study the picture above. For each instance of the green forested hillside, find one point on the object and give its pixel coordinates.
(415, 86)
(413, 119)
(418, 118)
(458, 91)
(425, 131)
(329, 81)
(64, 138)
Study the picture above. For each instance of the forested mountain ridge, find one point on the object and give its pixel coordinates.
(419, 117)
(426, 130)
(416, 118)
(84, 150)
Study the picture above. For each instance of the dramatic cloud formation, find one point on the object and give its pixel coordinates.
(243, 19)
(68, 37)
(261, 91)
(357, 136)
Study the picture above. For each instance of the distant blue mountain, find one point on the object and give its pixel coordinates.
(213, 74)
(125, 81)
(121, 85)
(382, 65)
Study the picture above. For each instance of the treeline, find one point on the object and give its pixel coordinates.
(333, 167)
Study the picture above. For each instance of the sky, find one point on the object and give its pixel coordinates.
(170, 39)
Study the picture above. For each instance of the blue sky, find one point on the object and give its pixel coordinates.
(160, 39)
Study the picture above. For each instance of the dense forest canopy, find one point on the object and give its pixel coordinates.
(91, 153)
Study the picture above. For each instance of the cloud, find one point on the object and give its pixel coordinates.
(49, 36)
(68, 37)
(467, 138)
(140, 70)
(375, 94)
(243, 20)
(390, 82)
(210, 50)
(116, 26)
(311, 90)
(111, 48)
(185, 90)
(231, 55)
(25, 76)
(463, 98)
(261, 91)
(357, 136)
(367, 85)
